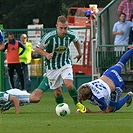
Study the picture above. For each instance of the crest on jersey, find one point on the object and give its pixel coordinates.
(60, 49)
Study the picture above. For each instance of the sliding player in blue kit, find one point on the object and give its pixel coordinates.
(1, 41)
(107, 90)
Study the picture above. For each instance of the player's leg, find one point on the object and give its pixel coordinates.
(121, 102)
(55, 83)
(7, 106)
(129, 101)
(36, 95)
(118, 67)
(67, 75)
(125, 57)
(116, 104)
(58, 95)
(19, 71)
(10, 74)
(27, 81)
(72, 90)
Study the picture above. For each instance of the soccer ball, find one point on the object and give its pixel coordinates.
(62, 109)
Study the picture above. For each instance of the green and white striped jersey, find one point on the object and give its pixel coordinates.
(4, 97)
(59, 47)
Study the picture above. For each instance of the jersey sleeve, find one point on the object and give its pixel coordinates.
(74, 37)
(44, 41)
(115, 27)
(1, 36)
(102, 103)
(4, 97)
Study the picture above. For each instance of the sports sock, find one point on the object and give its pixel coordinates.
(125, 57)
(121, 103)
(59, 99)
(73, 93)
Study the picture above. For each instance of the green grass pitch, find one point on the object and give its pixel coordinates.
(41, 118)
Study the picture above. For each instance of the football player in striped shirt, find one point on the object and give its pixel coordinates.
(54, 46)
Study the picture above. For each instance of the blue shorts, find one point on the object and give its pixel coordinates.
(114, 74)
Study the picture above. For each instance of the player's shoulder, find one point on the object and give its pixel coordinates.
(28, 43)
(70, 32)
(117, 23)
(49, 35)
(0, 32)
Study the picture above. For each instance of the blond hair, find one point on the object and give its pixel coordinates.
(62, 19)
(84, 92)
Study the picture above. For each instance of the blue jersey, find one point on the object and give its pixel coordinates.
(1, 36)
(100, 93)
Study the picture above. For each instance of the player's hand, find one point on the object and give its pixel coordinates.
(121, 32)
(49, 56)
(2, 46)
(130, 46)
(78, 57)
(87, 111)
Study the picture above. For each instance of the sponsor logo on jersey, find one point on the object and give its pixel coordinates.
(60, 49)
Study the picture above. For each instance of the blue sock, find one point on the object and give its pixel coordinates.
(120, 103)
(125, 57)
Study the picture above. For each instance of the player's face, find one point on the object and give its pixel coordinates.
(10, 38)
(23, 39)
(62, 28)
(122, 18)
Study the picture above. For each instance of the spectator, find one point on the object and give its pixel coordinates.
(126, 6)
(1, 41)
(121, 31)
(131, 41)
(25, 59)
(131, 31)
(13, 61)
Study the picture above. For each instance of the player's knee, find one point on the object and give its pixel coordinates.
(35, 99)
(57, 92)
(69, 86)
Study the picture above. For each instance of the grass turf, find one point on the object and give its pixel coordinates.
(41, 118)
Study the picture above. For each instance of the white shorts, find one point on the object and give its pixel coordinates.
(56, 77)
(23, 96)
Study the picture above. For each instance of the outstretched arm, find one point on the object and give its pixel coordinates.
(44, 53)
(77, 45)
(16, 103)
(2, 46)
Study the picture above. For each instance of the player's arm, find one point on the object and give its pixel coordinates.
(1, 41)
(40, 51)
(77, 45)
(102, 105)
(2, 46)
(101, 111)
(23, 48)
(16, 103)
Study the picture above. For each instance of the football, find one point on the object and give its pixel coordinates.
(62, 109)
